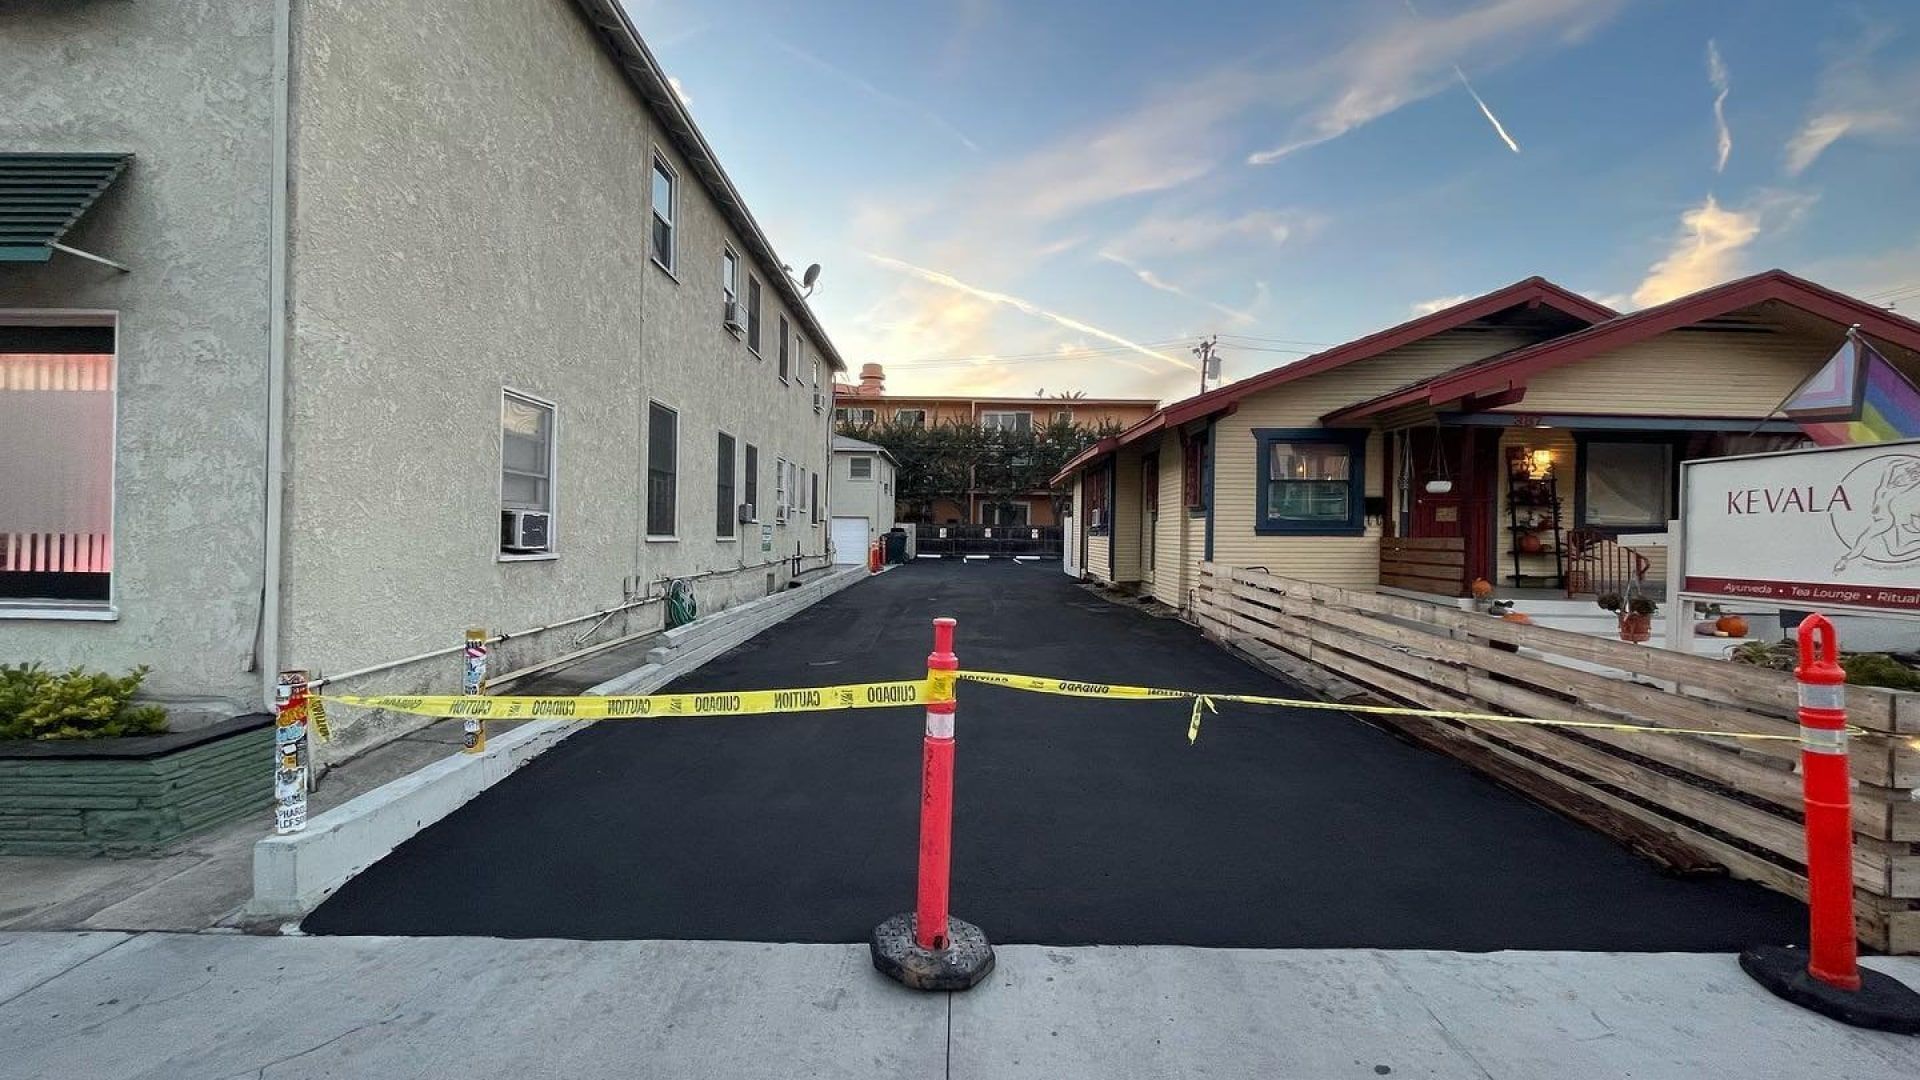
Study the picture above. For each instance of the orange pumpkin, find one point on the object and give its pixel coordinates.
(1519, 617)
(1731, 625)
(1531, 544)
(1482, 588)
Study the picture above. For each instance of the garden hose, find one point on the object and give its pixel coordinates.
(681, 606)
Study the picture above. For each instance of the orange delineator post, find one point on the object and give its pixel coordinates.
(1834, 956)
(936, 793)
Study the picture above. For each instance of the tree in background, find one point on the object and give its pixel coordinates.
(954, 460)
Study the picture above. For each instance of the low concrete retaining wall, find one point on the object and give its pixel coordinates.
(292, 874)
(131, 796)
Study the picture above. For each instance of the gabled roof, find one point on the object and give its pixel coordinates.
(847, 444)
(1510, 370)
(1532, 291)
(623, 44)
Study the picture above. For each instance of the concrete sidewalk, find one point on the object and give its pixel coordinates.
(118, 1007)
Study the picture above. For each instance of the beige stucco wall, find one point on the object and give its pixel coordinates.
(870, 497)
(471, 212)
(188, 90)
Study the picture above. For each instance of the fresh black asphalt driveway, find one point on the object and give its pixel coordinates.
(1077, 821)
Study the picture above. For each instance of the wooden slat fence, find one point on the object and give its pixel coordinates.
(1734, 801)
(1432, 565)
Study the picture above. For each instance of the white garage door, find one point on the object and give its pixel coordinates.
(850, 535)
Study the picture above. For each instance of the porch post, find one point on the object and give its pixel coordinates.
(1680, 613)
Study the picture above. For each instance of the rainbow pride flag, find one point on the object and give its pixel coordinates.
(1857, 397)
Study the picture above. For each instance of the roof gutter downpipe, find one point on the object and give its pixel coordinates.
(267, 650)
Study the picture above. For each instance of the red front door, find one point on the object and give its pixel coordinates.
(1464, 461)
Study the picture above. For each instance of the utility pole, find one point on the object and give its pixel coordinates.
(1209, 363)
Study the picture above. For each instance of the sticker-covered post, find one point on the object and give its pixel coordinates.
(928, 949)
(474, 728)
(291, 755)
(1827, 977)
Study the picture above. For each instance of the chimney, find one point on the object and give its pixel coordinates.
(873, 380)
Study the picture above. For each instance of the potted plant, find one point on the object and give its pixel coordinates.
(1634, 612)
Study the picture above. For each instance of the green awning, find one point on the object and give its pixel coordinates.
(42, 195)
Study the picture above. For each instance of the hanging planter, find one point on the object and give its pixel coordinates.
(1439, 487)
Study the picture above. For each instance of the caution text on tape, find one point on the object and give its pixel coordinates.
(882, 695)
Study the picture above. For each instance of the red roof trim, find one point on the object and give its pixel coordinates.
(1515, 368)
(1533, 290)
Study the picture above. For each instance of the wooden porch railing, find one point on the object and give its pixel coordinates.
(1435, 565)
(1735, 802)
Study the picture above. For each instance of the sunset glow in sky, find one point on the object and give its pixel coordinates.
(1010, 197)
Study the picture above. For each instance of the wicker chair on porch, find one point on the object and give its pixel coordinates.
(1597, 563)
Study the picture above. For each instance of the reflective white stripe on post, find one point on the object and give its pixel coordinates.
(1816, 740)
(939, 725)
(1823, 695)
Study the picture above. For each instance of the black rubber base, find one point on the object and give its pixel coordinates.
(965, 961)
(1882, 1003)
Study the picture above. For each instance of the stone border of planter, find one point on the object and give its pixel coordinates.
(130, 796)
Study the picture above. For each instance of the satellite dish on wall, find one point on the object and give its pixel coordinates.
(812, 275)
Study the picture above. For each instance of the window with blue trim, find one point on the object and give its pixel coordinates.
(1312, 481)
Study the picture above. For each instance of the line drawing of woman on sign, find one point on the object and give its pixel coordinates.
(1895, 517)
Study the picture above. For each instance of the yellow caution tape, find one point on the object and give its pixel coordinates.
(317, 716)
(882, 695)
(1067, 688)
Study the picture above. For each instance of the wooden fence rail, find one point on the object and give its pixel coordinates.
(1735, 801)
(1437, 565)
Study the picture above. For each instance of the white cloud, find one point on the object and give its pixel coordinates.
(679, 91)
(948, 281)
(1717, 76)
(1411, 59)
(1709, 246)
(924, 114)
(1439, 303)
(1856, 100)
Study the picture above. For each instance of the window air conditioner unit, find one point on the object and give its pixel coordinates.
(734, 318)
(746, 514)
(525, 531)
(1094, 519)
(819, 400)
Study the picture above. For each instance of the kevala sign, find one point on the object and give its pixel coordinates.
(1837, 527)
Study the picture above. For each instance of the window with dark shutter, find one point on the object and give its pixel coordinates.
(753, 313)
(816, 498)
(663, 469)
(723, 510)
(752, 483)
(786, 333)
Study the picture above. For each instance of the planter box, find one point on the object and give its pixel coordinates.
(132, 796)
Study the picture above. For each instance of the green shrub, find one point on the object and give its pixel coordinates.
(38, 704)
(1863, 669)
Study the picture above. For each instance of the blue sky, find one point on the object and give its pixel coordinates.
(1009, 196)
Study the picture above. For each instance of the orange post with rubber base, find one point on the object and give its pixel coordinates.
(1827, 976)
(929, 949)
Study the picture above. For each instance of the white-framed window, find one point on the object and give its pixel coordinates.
(860, 468)
(914, 417)
(1020, 420)
(857, 417)
(729, 282)
(1063, 416)
(663, 471)
(529, 452)
(666, 193)
(780, 490)
(58, 381)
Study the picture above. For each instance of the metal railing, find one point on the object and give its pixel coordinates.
(1002, 540)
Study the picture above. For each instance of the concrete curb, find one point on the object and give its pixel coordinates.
(292, 874)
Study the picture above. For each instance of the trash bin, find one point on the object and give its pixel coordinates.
(897, 545)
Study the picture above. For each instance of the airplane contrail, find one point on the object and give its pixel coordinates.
(948, 281)
(1498, 128)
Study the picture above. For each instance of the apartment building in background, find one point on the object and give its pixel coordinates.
(357, 323)
(868, 404)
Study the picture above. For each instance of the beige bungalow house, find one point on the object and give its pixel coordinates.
(1529, 436)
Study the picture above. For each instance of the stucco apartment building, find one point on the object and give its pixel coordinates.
(1420, 457)
(867, 403)
(427, 315)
